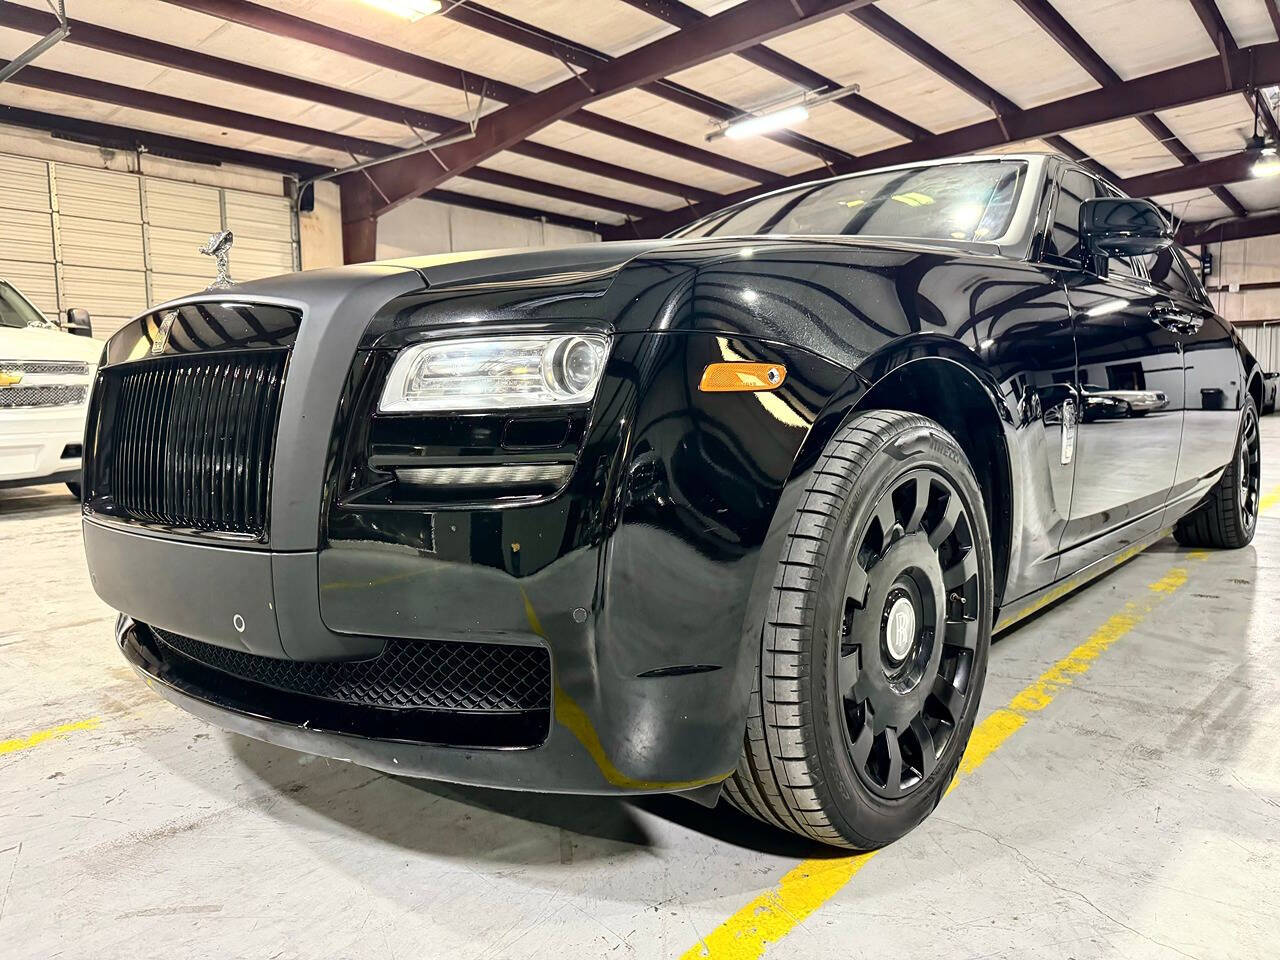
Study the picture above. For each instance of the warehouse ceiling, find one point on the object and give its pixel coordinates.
(598, 113)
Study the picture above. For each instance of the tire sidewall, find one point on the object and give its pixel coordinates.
(1250, 411)
(855, 810)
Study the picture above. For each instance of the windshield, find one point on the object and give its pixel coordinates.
(955, 201)
(16, 310)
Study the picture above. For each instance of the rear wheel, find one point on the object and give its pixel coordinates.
(874, 648)
(75, 489)
(1229, 515)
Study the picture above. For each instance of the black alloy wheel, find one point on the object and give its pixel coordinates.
(1249, 470)
(908, 633)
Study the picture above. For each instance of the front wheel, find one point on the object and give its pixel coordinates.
(874, 647)
(1229, 515)
(75, 489)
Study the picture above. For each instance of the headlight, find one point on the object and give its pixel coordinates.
(499, 372)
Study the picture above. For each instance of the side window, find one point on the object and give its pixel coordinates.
(1064, 237)
(1165, 270)
(1075, 187)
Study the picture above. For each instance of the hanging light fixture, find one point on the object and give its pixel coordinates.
(766, 123)
(1267, 164)
(408, 9)
(777, 116)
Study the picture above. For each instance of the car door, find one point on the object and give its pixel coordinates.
(1213, 385)
(1127, 346)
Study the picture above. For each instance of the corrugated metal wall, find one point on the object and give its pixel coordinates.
(1264, 341)
(425, 226)
(116, 243)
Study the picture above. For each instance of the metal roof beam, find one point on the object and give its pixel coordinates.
(683, 16)
(924, 53)
(1201, 175)
(52, 81)
(496, 24)
(1163, 90)
(500, 178)
(1056, 25)
(157, 144)
(739, 27)
(510, 209)
(1237, 228)
(283, 24)
(1211, 17)
(152, 51)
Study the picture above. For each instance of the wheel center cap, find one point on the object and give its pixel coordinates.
(900, 629)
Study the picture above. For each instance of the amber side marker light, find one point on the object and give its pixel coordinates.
(742, 377)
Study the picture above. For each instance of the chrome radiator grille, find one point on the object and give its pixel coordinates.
(188, 440)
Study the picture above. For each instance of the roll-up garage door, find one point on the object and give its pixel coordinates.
(27, 257)
(264, 230)
(180, 217)
(118, 243)
(100, 240)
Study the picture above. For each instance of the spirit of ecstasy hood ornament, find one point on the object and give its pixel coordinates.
(219, 247)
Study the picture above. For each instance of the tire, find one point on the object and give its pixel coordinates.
(1228, 517)
(75, 489)
(837, 676)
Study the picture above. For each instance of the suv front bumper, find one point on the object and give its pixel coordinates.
(32, 443)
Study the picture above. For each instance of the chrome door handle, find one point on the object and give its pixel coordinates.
(1070, 418)
(1168, 315)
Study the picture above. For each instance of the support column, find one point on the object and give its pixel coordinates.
(359, 225)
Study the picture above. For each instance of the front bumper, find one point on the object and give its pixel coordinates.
(32, 441)
(570, 760)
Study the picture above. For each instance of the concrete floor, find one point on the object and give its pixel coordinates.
(1137, 815)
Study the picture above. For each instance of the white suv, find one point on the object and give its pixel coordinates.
(45, 380)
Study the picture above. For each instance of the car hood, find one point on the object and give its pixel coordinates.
(445, 269)
(34, 343)
(449, 268)
(568, 264)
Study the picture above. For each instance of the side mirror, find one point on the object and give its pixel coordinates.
(1120, 227)
(78, 322)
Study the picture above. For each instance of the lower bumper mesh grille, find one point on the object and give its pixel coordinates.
(407, 675)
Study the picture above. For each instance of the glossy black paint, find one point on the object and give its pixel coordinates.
(646, 575)
(1120, 226)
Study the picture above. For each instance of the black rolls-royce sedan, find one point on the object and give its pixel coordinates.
(731, 514)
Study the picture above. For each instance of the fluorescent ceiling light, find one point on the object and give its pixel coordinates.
(766, 123)
(409, 9)
(1267, 165)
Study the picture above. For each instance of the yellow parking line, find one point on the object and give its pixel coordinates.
(1270, 500)
(42, 736)
(774, 914)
